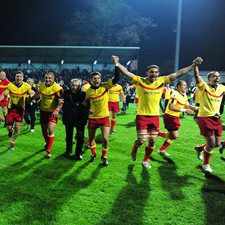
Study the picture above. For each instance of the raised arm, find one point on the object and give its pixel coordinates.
(123, 69)
(181, 72)
(198, 78)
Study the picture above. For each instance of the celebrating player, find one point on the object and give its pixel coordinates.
(97, 96)
(115, 92)
(3, 98)
(178, 103)
(50, 105)
(149, 91)
(17, 91)
(208, 117)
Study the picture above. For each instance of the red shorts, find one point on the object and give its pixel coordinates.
(99, 122)
(4, 103)
(14, 115)
(150, 123)
(171, 123)
(114, 107)
(210, 126)
(47, 117)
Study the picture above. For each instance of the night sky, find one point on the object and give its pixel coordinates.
(203, 27)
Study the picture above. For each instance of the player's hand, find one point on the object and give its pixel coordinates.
(55, 113)
(189, 111)
(115, 59)
(197, 61)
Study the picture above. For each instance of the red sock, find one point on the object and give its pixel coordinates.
(207, 156)
(113, 123)
(104, 152)
(163, 134)
(148, 152)
(50, 142)
(165, 145)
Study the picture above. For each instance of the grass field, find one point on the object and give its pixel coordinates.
(59, 191)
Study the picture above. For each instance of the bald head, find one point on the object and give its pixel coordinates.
(2, 75)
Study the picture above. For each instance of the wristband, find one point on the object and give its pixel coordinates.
(182, 110)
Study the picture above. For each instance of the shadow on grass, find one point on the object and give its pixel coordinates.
(3, 152)
(42, 190)
(129, 206)
(213, 194)
(172, 182)
(130, 124)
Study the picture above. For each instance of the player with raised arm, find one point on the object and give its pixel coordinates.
(208, 117)
(150, 90)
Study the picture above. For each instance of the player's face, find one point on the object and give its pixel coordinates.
(2, 75)
(214, 79)
(182, 87)
(152, 74)
(96, 80)
(19, 78)
(49, 79)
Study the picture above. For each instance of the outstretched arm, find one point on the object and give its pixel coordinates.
(123, 69)
(198, 78)
(181, 72)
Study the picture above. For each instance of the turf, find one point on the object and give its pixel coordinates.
(59, 191)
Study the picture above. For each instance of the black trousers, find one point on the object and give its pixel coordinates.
(79, 138)
(29, 116)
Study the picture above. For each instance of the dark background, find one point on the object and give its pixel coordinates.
(121, 23)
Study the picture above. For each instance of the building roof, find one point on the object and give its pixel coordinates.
(70, 54)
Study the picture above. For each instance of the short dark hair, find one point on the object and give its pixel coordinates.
(152, 67)
(180, 82)
(211, 73)
(19, 72)
(95, 73)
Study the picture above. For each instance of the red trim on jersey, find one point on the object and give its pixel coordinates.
(18, 94)
(214, 95)
(99, 95)
(148, 88)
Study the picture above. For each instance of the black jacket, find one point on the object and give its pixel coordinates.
(74, 111)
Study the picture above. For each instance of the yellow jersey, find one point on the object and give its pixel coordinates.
(85, 87)
(210, 99)
(114, 92)
(17, 94)
(179, 100)
(149, 94)
(98, 99)
(49, 96)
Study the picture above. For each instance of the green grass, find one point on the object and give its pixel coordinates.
(37, 191)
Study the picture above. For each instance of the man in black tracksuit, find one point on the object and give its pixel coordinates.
(31, 106)
(75, 115)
